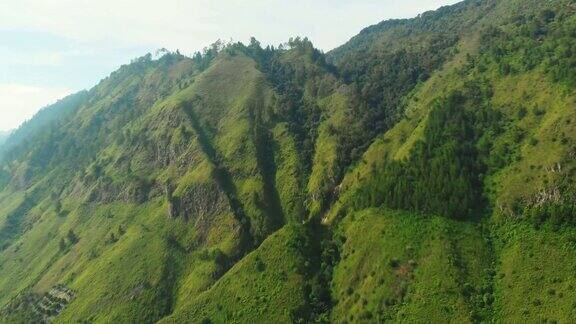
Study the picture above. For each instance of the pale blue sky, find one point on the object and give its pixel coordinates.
(50, 48)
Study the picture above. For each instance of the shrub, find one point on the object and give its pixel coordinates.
(522, 112)
(260, 266)
(72, 238)
(487, 298)
(537, 302)
(62, 244)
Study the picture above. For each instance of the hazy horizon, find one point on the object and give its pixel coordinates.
(45, 45)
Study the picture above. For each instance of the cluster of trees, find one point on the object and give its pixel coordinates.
(295, 70)
(444, 173)
(388, 60)
(71, 239)
(380, 78)
(300, 113)
(114, 237)
(320, 250)
(383, 77)
(557, 214)
(532, 40)
(208, 54)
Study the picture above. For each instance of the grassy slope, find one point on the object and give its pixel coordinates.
(232, 93)
(326, 171)
(534, 274)
(405, 267)
(553, 130)
(412, 268)
(129, 257)
(288, 173)
(232, 298)
(266, 286)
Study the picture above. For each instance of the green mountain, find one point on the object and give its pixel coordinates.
(422, 172)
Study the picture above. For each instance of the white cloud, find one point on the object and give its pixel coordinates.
(192, 24)
(38, 59)
(121, 21)
(47, 58)
(20, 102)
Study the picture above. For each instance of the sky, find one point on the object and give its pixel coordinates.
(52, 48)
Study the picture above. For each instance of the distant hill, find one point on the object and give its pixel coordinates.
(422, 172)
(3, 136)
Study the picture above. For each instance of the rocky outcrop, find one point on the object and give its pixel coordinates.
(136, 191)
(199, 200)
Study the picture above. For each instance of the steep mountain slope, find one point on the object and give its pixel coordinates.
(161, 178)
(422, 172)
(490, 134)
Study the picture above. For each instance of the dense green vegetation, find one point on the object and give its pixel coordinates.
(442, 174)
(422, 172)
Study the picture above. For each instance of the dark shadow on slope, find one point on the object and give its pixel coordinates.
(14, 225)
(224, 180)
(265, 159)
(322, 254)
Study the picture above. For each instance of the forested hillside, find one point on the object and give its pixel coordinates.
(422, 172)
